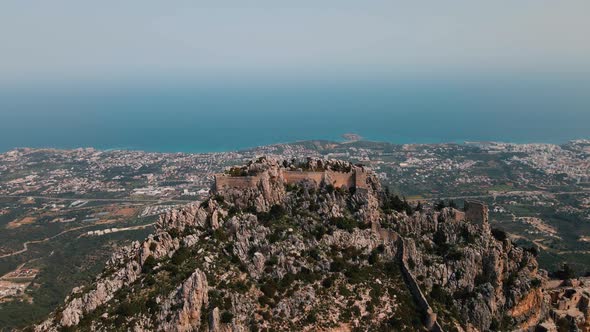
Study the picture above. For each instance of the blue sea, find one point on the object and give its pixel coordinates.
(205, 116)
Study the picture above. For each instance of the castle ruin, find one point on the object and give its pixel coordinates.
(477, 213)
(356, 178)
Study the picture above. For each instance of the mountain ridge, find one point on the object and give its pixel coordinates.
(308, 255)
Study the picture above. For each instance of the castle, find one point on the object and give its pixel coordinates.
(355, 178)
(477, 212)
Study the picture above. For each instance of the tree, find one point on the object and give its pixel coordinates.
(419, 207)
(566, 272)
(149, 264)
(226, 317)
(395, 203)
(499, 234)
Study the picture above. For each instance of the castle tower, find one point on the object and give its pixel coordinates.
(477, 213)
(360, 178)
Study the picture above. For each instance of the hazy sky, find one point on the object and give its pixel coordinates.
(42, 40)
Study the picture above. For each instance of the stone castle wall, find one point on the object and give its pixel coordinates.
(340, 179)
(430, 317)
(476, 212)
(240, 182)
(298, 176)
(356, 178)
(360, 180)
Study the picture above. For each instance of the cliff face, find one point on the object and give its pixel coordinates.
(307, 255)
(471, 278)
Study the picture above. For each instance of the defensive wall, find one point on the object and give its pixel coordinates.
(299, 176)
(477, 212)
(430, 318)
(356, 178)
(243, 182)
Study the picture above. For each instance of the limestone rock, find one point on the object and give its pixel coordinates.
(190, 298)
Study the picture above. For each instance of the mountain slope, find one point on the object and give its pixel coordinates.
(307, 246)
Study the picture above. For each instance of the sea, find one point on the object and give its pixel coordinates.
(211, 116)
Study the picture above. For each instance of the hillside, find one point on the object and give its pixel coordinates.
(306, 246)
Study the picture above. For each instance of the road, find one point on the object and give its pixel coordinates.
(99, 199)
(26, 244)
(131, 200)
(503, 194)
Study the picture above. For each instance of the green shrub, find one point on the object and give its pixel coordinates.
(218, 198)
(344, 291)
(337, 265)
(566, 272)
(440, 240)
(174, 233)
(374, 257)
(307, 276)
(226, 317)
(319, 232)
(149, 264)
(411, 263)
(356, 275)
(311, 317)
(180, 256)
(346, 224)
(499, 234)
(454, 254)
(269, 288)
(239, 286)
(220, 235)
(395, 203)
(264, 300)
(273, 260)
(330, 188)
(441, 296)
(128, 309)
(328, 282)
(149, 280)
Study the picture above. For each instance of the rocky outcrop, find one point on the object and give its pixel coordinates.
(460, 264)
(103, 292)
(261, 191)
(281, 254)
(429, 316)
(261, 184)
(191, 215)
(569, 305)
(157, 246)
(186, 304)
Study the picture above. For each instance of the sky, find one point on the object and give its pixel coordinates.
(46, 41)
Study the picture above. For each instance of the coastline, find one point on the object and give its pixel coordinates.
(247, 148)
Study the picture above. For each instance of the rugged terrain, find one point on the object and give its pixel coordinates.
(306, 256)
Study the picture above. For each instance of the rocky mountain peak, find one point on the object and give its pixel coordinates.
(311, 245)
